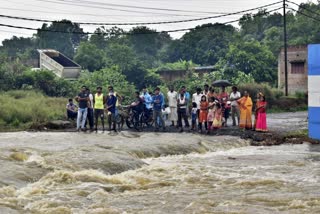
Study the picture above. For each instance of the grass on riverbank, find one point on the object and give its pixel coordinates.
(20, 110)
(290, 109)
(303, 133)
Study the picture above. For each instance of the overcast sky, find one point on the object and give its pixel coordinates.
(117, 11)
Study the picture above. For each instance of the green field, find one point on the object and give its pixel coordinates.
(20, 110)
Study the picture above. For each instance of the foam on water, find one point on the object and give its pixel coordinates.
(146, 174)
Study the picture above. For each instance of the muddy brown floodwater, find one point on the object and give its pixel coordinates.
(130, 172)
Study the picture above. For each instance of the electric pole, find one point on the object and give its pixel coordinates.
(285, 48)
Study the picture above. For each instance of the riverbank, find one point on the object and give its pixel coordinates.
(288, 127)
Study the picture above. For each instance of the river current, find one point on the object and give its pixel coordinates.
(154, 173)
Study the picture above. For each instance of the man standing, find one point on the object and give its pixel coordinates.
(182, 105)
(235, 110)
(206, 90)
(157, 101)
(196, 98)
(173, 104)
(90, 110)
(147, 102)
(82, 98)
(99, 102)
(117, 95)
(186, 93)
(187, 97)
(111, 107)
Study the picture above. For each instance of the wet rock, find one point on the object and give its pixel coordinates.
(59, 124)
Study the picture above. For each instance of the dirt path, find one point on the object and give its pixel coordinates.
(286, 122)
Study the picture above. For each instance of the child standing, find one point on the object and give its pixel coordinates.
(217, 120)
(203, 113)
(210, 113)
(194, 116)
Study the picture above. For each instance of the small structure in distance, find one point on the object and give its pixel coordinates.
(59, 64)
(297, 69)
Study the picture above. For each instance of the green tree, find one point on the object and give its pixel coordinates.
(64, 36)
(89, 56)
(147, 43)
(104, 37)
(125, 58)
(303, 30)
(105, 77)
(274, 39)
(17, 45)
(255, 25)
(204, 45)
(250, 57)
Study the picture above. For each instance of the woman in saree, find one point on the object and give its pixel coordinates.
(261, 115)
(245, 104)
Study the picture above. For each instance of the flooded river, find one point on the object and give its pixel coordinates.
(154, 173)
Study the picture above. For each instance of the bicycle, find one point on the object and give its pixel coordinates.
(147, 118)
(134, 119)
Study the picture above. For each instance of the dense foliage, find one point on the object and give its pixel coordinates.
(133, 59)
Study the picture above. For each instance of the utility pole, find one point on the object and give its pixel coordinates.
(285, 48)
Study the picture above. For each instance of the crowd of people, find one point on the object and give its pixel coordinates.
(207, 109)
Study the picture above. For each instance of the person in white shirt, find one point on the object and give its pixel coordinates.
(196, 98)
(173, 104)
(206, 90)
(235, 110)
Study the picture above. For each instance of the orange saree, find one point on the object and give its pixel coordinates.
(245, 104)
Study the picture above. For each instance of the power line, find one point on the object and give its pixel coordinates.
(309, 16)
(300, 6)
(126, 33)
(147, 23)
(130, 6)
(100, 7)
(88, 14)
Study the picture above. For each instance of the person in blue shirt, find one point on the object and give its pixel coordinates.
(111, 107)
(157, 101)
(147, 102)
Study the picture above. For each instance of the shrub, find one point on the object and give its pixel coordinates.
(253, 89)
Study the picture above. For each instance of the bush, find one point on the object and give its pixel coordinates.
(23, 109)
(253, 89)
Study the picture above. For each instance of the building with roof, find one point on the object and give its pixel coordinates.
(172, 75)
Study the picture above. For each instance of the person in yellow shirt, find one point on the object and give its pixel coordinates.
(99, 103)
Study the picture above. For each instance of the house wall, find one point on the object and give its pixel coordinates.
(296, 81)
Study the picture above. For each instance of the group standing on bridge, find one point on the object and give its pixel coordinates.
(207, 109)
